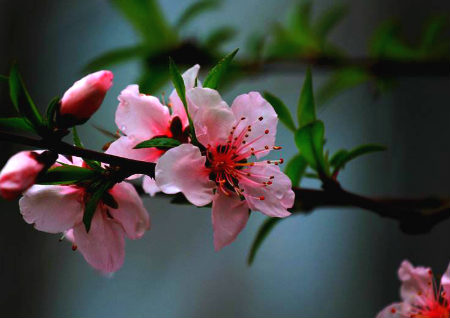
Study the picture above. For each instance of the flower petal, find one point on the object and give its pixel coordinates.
(229, 217)
(131, 212)
(262, 118)
(394, 310)
(212, 117)
(149, 186)
(177, 106)
(417, 282)
(272, 200)
(123, 147)
(52, 208)
(445, 283)
(141, 116)
(182, 169)
(104, 246)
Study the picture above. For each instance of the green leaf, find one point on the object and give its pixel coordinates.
(310, 140)
(282, 110)
(18, 93)
(147, 18)
(263, 232)
(178, 82)
(340, 81)
(194, 10)
(432, 31)
(116, 56)
(109, 200)
(4, 78)
(76, 138)
(66, 175)
(77, 142)
(52, 108)
(306, 110)
(92, 203)
(295, 169)
(219, 37)
(158, 142)
(328, 20)
(341, 158)
(215, 75)
(300, 18)
(16, 123)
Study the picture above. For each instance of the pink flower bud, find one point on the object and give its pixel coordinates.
(83, 99)
(19, 173)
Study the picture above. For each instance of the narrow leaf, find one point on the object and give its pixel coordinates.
(310, 140)
(18, 94)
(76, 138)
(306, 110)
(159, 142)
(115, 57)
(194, 10)
(177, 81)
(295, 169)
(263, 232)
(51, 110)
(215, 75)
(342, 160)
(329, 19)
(16, 123)
(66, 175)
(282, 110)
(92, 203)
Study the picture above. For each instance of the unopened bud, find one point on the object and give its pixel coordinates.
(83, 99)
(19, 173)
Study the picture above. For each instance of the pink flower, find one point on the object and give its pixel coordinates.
(142, 117)
(83, 99)
(422, 298)
(59, 209)
(19, 173)
(220, 172)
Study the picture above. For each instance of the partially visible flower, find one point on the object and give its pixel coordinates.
(83, 99)
(421, 297)
(59, 209)
(141, 117)
(220, 172)
(20, 173)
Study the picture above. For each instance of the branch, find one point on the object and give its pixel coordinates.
(129, 165)
(414, 215)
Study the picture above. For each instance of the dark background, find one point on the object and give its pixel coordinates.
(332, 263)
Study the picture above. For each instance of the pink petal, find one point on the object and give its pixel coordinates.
(445, 283)
(182, 169)
(86, 95)
(141, 116)
(253, 107)
(18, 174)
(52, 208)
(395, 310)
(212, 117)
(104, 246)
(272, 200)
(177, 106)
(150, 186)
(229, 217)
(131, 212)
(123, 147)
(415, 282)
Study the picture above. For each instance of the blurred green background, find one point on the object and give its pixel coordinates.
(331, 263)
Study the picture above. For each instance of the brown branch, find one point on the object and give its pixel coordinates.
(414, 215)
(130, 165)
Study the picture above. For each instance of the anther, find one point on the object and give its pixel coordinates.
(266, 147)
(266, 131)
(242, 118)
(246, 135)
(269, 182)
(249, 174)
(260, 118)
(262, 198)
(271, 177)
(281, 160)
(277, 147)
(244, 142)
(74, 247)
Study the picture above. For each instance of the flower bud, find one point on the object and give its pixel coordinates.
(20, 173)
(83, 99)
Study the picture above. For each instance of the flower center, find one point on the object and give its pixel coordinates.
(229, 164)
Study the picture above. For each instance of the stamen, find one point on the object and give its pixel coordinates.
(260, 118)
